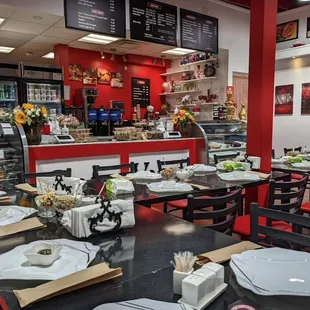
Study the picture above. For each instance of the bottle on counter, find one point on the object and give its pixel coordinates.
(115, 120)
(92, 120)
(103, 122)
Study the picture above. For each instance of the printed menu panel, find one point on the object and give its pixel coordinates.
(99, 16)
(199, 32)
(153, 21)
(140, 92)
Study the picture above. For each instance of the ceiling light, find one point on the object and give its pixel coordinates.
(49, 55)
(2, 20)
(154, 61)
(124, 58)
(113, 57)
(37, 17)
(102, 55)
(5, 49)
(179, 51)
(98, 39)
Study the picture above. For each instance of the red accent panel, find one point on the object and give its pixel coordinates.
(261, 85)
(137, 66)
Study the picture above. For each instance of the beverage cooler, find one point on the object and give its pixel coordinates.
(10, 90)
(43, 86)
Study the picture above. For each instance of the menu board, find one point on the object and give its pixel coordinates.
(140, 92)
(153, 21)
(99, 16)
(199, 32)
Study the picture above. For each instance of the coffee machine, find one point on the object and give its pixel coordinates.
(86, 98)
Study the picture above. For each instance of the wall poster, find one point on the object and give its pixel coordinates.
(287, 31)
(103, 76)
(284, 99)
(89, 76)
(75, 73)
(305, 99)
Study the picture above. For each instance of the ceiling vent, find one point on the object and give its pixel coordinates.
(127, 44)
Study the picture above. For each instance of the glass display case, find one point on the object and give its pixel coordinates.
(227, 138)
(12, 144)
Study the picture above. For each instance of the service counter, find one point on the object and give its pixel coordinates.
(80, 157)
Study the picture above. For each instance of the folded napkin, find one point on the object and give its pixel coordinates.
(93, 275)
(27, 188)
(100, 217)
(224, 254)
(24, 225)
(14, 214)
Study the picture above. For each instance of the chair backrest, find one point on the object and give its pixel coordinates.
(221, 210)
(287, 196)
(180, 162)
(272, 236)
(221, 157)
(97, 169)
(273, 154)
(23, 177)
(296, 149)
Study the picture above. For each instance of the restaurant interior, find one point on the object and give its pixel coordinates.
(175, 132)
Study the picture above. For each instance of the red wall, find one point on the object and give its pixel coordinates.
(137, 66)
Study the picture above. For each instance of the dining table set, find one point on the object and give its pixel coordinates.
(98, 244)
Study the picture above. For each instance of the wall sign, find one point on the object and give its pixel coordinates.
(199, 32)
(140, 92)
(153, 21)
(284, 99)
(103, 17)
(287, 31)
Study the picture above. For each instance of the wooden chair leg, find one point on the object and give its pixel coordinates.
(165, 207)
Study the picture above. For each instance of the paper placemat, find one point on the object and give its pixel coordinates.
(224, 254)
(5, 200)
(27, 188)
(93, 275)
(197, 186)
(24, 225)
(260, 174)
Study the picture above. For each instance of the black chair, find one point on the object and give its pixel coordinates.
(269, 236)
(221, 157)
(273, 154)
(161, 164)
(296, 149)
(27, 177)
(221, 210)
(97, 169)
(282, 196)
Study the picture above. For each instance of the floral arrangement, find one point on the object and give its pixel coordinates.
(29, 114)
(182, 118)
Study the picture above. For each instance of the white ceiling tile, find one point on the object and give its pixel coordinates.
(64, 33)
(85, 46)
(60, 24)
(16, 36)
(20, 55)
(22, 27)
(6, 10)
(49, 40)
(28, 16)
(37, 47)
(10, 43)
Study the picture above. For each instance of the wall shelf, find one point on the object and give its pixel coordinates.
(212, 78)
(176, 72)
(181, 92)
(199, 62)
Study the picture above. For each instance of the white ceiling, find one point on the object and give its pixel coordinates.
(22, 30)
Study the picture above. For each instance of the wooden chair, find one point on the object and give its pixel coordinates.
(27, 177)
(221, 210)
(221, 157)
(296, 149)
(97, 169)
(179, 162)
(283, 196)
(269, 236)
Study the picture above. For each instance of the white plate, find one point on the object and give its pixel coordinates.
(73, 258)
(276, 161)
(14, 214)
(178, 188)
(144, 175)
(237, 176)
(274, 271)
(199, 168)
(305, 164)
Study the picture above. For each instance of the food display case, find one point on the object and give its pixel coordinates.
(13, 154)
(220, 137)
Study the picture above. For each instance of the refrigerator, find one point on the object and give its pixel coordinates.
(10, 88)
(43, 86)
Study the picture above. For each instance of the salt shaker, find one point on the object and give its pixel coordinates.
(210, 277)
(193, 289)
(219, 271)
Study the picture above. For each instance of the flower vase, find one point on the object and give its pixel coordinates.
(33, 134)
(183, 131)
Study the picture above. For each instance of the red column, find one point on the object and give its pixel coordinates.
(261, 87)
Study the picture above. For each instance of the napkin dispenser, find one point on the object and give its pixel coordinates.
(119, 186)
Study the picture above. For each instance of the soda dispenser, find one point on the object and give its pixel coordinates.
(103, 122)
(115, 119)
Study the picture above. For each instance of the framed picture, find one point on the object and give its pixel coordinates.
(284, 99)
(104, 76)
(75, 73)
(117, 80)
(89, 76)
(287, 31)
(305, 99)
(308, 27)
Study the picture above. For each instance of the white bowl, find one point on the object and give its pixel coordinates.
(168, 184)
(184, 175)
(43, 260)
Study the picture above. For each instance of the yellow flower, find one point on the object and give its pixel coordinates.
(28, 106)
(44, 111)
(20, 118)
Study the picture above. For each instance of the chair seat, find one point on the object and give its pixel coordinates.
(305, 207)
(242, 225)
(298, 177)
(182, 204)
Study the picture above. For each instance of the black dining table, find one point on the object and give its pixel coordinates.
(288, 168)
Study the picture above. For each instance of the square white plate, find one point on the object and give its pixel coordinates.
(14, 214)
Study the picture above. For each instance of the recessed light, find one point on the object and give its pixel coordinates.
(179, 51)
(2, 20)
(49, 55)
(294, 57)
(98, 39)
(37, 17)
(5, 49)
